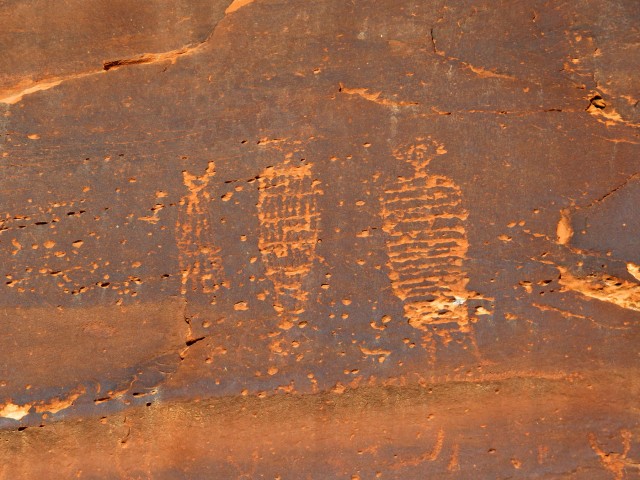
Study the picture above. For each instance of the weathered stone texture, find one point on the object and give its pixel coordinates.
(319, 239)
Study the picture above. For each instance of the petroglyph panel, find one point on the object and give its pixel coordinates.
(447, 286)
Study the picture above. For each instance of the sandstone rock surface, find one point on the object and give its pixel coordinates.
(331, 239)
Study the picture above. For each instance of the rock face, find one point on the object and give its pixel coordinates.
(328, 239)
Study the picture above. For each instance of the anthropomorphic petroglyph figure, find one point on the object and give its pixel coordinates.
(289, 222)
(200, 263)
(424, 220)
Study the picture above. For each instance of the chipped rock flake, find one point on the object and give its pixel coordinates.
(604, 288)
(375, 97)
(18, 412)
(237, 5)
(15, 412)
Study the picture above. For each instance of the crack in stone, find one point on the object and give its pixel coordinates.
(477, 70)
(626, 181)
(26, 87)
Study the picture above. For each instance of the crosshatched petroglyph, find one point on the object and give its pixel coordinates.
(200, 262)
(427, 244)
(288, 235)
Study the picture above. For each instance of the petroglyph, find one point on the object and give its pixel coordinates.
(427, 243)
(424, 219)
(454, 462)
(289, 222)
(616, 463)
(200, 263)
(433, 454)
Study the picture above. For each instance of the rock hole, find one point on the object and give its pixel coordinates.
(598, 102)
